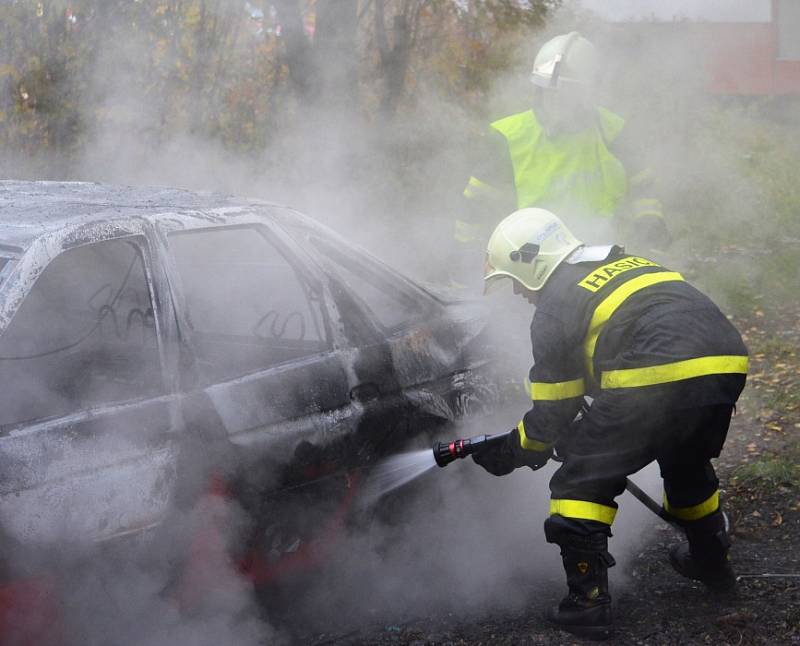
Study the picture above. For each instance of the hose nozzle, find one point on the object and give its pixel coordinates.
(446, 452)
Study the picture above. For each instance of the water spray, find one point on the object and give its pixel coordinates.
(399, 470)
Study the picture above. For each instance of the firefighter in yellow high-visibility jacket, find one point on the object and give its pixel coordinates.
(565, 154)
(664, 368)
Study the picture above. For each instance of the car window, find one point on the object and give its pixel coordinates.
(389, 299)
(248, 306)
(83, 336)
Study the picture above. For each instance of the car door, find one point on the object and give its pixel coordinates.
(260, 329)
(86, 425)
(404, 352)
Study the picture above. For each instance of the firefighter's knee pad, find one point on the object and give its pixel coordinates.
(577, 533)
(588, 552)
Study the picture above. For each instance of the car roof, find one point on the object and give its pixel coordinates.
(29, 209)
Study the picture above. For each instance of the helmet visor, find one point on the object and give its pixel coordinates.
(494, 283)
(488, 267)
(491, 278)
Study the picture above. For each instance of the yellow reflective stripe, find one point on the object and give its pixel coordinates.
(467, 231)
(477, 188)
(527, 443)
(583, 509)
(695, 512)
(610, 304)
(675, 371)
(647, 206)
(541, 391)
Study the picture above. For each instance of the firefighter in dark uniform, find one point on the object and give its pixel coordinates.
(664, 368)
(565, 154)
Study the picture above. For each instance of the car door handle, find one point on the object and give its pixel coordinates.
(365, 392)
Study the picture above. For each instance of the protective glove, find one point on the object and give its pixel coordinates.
(497, 460)
(503, 459)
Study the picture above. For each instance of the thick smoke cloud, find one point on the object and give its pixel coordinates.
(458, 541)
(395, 188)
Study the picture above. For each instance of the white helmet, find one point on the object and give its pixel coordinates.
(527, 246)
(565, 59)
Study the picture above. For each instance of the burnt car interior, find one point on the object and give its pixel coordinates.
(85, 335)
(248, 305)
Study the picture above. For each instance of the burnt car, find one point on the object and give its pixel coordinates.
(158, 346)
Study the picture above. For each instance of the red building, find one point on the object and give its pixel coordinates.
(749, 58)
(740, 47)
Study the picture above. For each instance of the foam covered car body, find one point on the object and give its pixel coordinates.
(158, 346)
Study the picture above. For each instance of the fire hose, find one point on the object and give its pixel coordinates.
(446, 452)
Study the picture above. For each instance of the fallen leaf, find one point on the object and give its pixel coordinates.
(778, 521)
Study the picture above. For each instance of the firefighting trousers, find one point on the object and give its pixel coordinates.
(617, 438)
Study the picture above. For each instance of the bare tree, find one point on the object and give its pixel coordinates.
(394, 58)
(323, 69)
(296, 46)
(335, 53)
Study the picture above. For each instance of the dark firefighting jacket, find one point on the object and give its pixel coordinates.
(626, 324)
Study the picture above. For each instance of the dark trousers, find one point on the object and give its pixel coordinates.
(620, 435)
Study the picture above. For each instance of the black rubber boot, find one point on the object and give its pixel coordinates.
(704, 557)
(586, 610)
